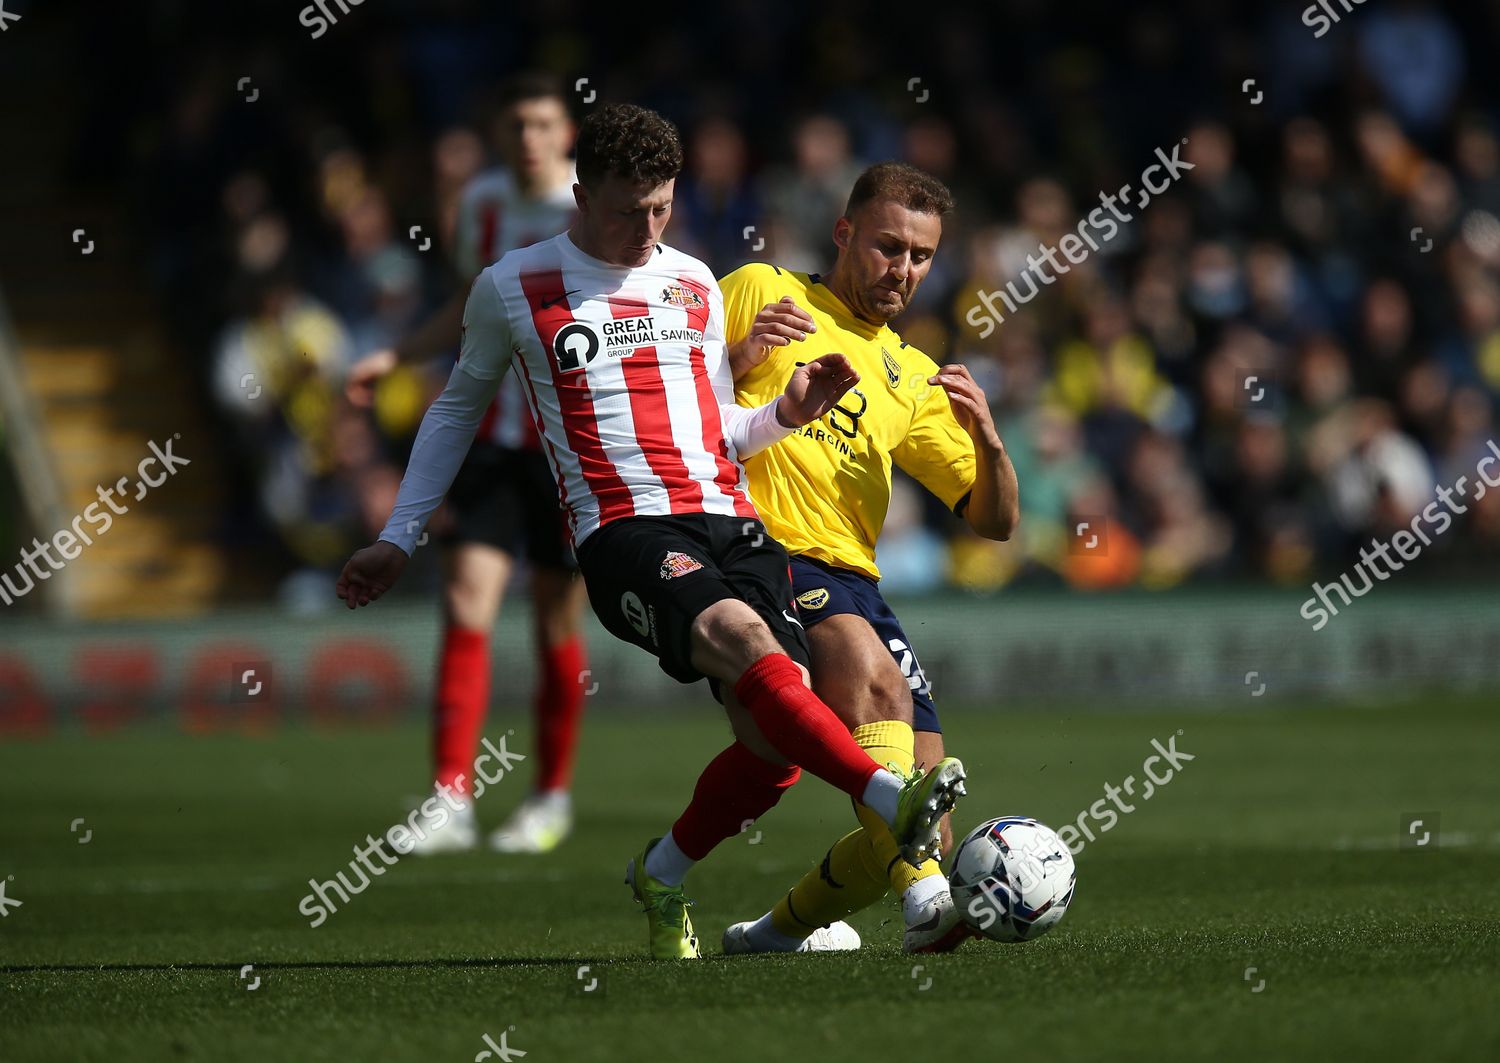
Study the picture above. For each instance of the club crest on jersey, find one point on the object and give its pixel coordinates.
(814, 599)
(892, 368)
(681, 295)
(678, 564)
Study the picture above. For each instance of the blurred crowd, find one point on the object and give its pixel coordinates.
(1275, 361)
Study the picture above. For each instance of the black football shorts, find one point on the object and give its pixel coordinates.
(649, 577)
(507, 498)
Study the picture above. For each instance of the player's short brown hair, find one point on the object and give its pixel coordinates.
(630, 142)
(532, 85)
(904, 185)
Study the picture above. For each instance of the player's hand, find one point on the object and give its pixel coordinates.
(970, 407)
(814, 389)
(370, 573)
(777, 325)
(364, 374)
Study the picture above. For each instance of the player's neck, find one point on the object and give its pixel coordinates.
(838, 285)
(589, 246)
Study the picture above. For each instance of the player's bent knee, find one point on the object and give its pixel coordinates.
(728, 637)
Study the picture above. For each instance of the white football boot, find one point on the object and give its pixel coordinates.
(458, 834)
(538, 825)
(835, 937)
(936, 926)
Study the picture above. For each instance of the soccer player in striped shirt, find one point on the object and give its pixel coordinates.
(619, 342)
(503, 503)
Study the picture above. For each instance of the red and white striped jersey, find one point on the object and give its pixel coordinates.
(495, 216)
(626, 374)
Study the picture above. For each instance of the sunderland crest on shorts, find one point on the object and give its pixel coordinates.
(678, 564)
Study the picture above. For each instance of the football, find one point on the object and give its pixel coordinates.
(1012, 878)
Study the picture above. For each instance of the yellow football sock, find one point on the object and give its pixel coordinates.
(842, 884)
(889, 742)
(861, 865)
(886, 854)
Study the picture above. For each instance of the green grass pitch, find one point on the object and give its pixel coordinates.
(1275, 849)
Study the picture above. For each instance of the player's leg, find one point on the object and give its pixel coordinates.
(853, 668)
(641, 598)
(545, 817)
(767, 675)
(746, 647)
(929, 749)
(662, 577)
(478, 558)
(936, 924)
(863, 662)
(760, 579)
(474, 580)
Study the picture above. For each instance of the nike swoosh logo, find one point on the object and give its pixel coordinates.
(792, 618)
(548, 304)
(929, 923)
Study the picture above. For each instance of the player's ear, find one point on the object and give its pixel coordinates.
(581, 197)
(841, 230)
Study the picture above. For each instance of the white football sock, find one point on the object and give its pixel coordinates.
(919, 895)
(667, 863)
(763, 935)
(883, 794)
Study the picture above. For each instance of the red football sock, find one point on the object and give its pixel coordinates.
(559, 708)
(800, 727)
(736, 786)
(463, 696)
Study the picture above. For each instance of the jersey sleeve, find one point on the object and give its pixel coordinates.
(451, 421)
(749, 431)
(937, 452)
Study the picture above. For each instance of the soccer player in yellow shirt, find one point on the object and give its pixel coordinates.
(823, 493)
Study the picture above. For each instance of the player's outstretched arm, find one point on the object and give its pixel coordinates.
(994, 507)
(777, 325)
(812, 391)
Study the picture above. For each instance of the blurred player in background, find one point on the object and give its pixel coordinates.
(504, 501)
(620, 342)
(824, 494)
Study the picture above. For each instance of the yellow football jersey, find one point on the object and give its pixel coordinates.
(824, 491)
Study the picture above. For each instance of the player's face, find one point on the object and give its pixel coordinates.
(535, 135)
(623, 221)
(885, 251)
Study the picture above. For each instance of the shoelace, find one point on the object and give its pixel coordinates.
(671, 902)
